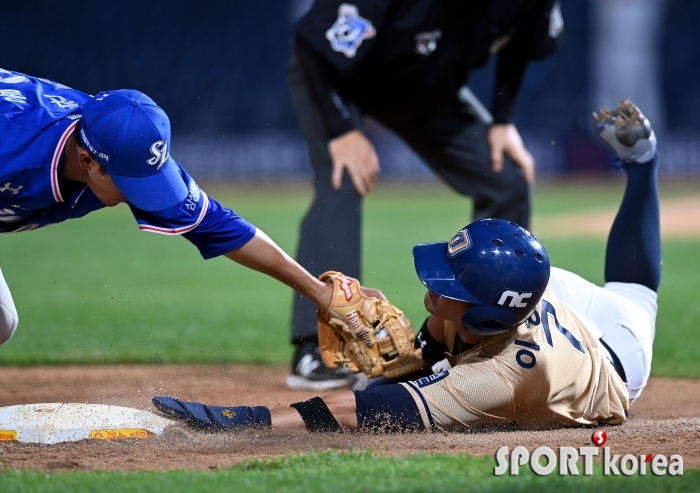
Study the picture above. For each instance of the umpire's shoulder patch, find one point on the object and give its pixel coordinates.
(349, 30)
(430, 379)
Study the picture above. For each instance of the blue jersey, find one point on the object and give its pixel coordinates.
(37, 117)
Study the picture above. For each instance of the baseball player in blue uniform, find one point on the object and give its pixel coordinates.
(509, 339)
(64, 154)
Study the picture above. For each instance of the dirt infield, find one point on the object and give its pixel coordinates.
(666, 420)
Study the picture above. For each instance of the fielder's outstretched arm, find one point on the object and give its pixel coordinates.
(263, 255)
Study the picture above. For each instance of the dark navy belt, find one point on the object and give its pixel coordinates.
(615, 362)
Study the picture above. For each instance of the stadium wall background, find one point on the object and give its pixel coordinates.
(218, 68)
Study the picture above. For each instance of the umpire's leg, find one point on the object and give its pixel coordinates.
(453, 141)
(330, 231)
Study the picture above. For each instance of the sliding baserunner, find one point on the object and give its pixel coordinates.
(512, 340)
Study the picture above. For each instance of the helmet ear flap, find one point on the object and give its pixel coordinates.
(485, 320)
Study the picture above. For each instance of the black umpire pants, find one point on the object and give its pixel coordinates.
(451, 140)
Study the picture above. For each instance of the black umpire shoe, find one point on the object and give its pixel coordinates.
(309, 372)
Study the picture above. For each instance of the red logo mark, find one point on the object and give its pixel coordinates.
(599, 438)
(345, 283)
(649, 457)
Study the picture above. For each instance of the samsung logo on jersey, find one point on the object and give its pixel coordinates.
(89, 147)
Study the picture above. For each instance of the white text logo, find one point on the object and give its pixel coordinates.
(61, 102)
(159, 151)
(516, 298)
(568, 457)
(92, 150)
(193, 196)
(12, 78)
(12, 95)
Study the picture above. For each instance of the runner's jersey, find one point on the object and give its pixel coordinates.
(37, 116)
(548, 371)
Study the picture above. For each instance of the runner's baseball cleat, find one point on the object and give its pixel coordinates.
(627, 131)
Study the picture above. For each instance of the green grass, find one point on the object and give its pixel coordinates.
(346, 472)
(97, 290)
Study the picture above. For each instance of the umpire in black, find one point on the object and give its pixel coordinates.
(405, 63)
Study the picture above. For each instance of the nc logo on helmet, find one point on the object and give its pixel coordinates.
(159, 151)
(517, 300)
(460, 241)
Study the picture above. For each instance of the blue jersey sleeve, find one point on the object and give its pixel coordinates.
(211, 227)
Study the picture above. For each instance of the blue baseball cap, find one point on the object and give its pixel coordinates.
(129, 135)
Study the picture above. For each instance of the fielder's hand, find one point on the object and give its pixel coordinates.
(326, 298)
(354, 152)
(505, 139)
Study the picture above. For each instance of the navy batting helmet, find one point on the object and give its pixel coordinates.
(497, 266)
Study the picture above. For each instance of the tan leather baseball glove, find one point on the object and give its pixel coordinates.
(366, 334)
